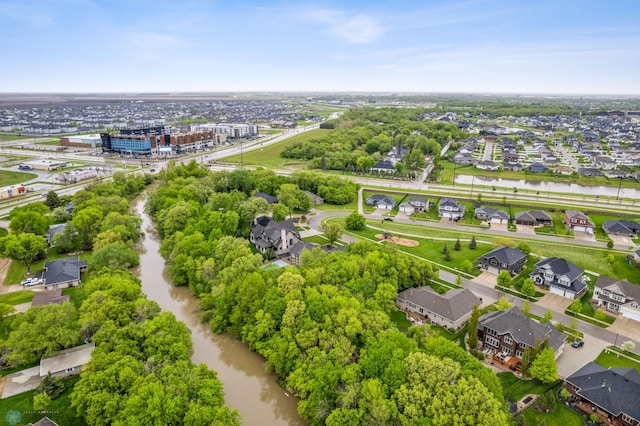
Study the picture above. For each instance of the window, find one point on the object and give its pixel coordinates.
(506, 350)
(492, 342)
(519, 354)
(548, 275)
(508, 340)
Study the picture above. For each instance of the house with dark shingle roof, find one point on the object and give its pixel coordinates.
(449, 310)
(510, 332)
(617, 296)
(578, 222)
(450, 208)
(621, 227)
(503, 259)
(63, 273)
(49, 297)
(45, 421)
(491, 215)
(267, 233)
(269, 198)
(381, 201)
(383, 166)
(53, 231)
(533, 218)
(612, 394)
(561, 276)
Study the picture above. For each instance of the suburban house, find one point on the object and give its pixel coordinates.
(383, 166)
(45, 421)
(297, 249)
(533, 218)
(63, 273)
(49, 297)
(618, 296)
(538, 168)
(612, 394)
(269, 198)
(488, 165)
(503, 259)
(510, 332)
(491, 215)
(53, 231)
(449, 310)
(621, 227)
(561, 276)
(450, 208)
(316, 200)
(381, 201)
(67, 361)
(414, 205)
(514, 167)
(267, 234)
(578, 222)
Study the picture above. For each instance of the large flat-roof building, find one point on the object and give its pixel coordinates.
(82, 141)
(232, 130)
(158, 144)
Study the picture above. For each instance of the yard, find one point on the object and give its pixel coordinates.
(608, 359)
(15, 177)
(515, 388)
(17, 271)
(17, 297)
(59, 411)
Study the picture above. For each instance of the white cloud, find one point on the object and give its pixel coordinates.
(354, 29)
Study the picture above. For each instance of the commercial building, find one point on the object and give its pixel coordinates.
(47, 165)
(82, 141)
(231, 130)
(159, 144)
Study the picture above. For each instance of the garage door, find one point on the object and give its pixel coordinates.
(496, 220)
(579, 228)
(631, 314)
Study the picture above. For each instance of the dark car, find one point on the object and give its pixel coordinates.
(577, 344)
(389, 219)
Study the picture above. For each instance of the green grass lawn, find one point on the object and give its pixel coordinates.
(17, 298)
(609, 359)
(399, 318)
(18, 271)
(318, 239)
(560, 416)
(269, 156)
(59, 411)
(14, 177)
(351, 207)
(76, 294)
(515, 388)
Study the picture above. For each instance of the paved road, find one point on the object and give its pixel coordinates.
(488, 150)
(570, 158)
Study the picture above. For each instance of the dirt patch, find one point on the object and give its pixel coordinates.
(397, 240)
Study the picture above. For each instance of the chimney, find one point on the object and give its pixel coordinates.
(283, 237)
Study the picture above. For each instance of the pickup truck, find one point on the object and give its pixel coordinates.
(31, 282)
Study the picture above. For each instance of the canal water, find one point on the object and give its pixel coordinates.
(247, 387)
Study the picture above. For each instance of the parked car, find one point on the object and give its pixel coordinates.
(577, 343)
(388, 219)
(31, 282)
(25, 167)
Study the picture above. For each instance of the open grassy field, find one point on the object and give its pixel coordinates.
(59, 411)
(269, 156)
(14, 177)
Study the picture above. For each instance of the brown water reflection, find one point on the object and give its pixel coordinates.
(248, 389)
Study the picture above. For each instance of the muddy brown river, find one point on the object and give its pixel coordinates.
(247, 387)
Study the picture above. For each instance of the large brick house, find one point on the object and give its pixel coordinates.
(612, 394)
(510, 332)
(578, 222)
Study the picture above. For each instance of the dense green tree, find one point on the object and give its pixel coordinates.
(87, 222)
(40, 331)
(504, 278)
(544, 367)
(23, 248)
(116, 255)
(503, 303)
(52, 200)
(355, 222)
(279, 212)
(457, 245)
(472, 328)
(472, 243)
(332, 231)
(528, 287)
(29, 222)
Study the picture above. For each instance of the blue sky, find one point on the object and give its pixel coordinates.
(545, 47)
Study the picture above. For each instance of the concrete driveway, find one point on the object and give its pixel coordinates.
(574, 358)
(626, 327)
(486, 279)
(21, 381)
(526, 230)
(622, 241)
(554, 302)
(499, 226)
(583, 236)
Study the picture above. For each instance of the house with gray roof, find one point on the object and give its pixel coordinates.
(298, 248)
(449, 310)
(510, 332)
(503, 259)
(45, 421)
(55, 231)
(414, 205)
(622, 227)
(67, 361)
(533, 218)
(491, 215)
(381, 201)
(561, 276)
(63, 273)
(267, 234)
(383, 166)
(269, 198)
(617, 296)
(612, 394)
(450, 208)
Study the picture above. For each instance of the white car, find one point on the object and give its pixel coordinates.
(31, 282)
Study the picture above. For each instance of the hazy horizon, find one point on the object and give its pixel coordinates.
(493, 47)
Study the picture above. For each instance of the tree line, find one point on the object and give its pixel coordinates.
(323, 327)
